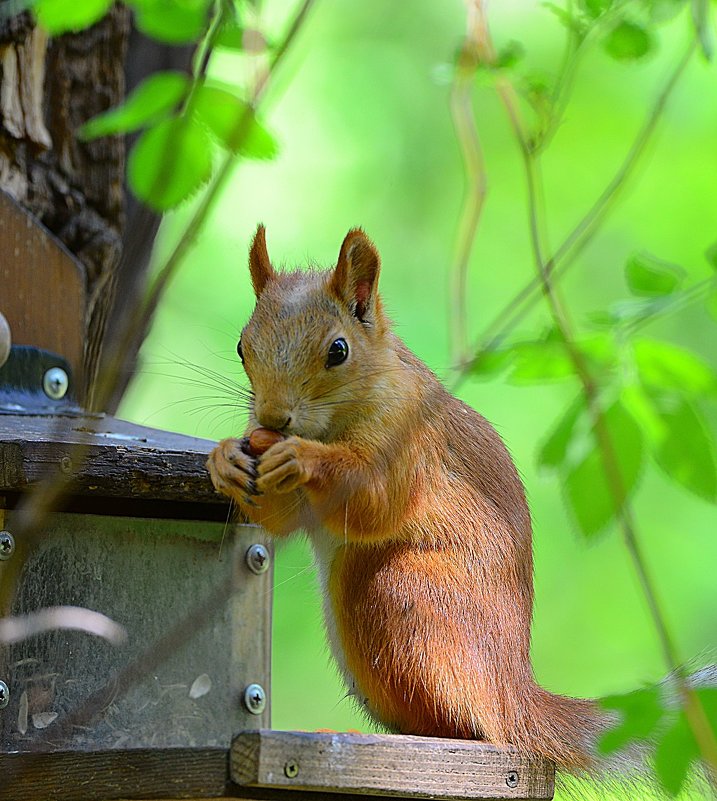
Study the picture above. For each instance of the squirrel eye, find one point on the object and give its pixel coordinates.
(239, 351)
(338, 352)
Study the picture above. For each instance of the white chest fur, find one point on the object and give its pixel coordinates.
(326, 547)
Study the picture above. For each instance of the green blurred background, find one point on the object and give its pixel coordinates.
(360, 110)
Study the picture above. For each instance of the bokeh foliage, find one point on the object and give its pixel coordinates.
(362, 135)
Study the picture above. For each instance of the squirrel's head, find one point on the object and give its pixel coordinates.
(315, 347)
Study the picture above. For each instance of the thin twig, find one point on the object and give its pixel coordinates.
(475, 52)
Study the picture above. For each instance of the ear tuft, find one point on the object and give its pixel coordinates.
(355, 278)
(259, 265)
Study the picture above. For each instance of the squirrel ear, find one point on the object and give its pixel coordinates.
(259, 265)
(356, 274)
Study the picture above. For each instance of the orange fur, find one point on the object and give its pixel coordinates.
(416, 511)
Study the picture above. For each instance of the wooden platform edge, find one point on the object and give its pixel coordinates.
(387, 765)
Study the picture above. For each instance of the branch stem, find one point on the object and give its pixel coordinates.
(474, 52)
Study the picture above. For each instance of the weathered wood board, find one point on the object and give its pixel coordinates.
(121, 460)
(100, 776)
(395, 765)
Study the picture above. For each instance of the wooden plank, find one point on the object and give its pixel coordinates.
(122, 460)
(397, 765)
(177, 773)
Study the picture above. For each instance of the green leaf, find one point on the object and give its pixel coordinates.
(686, 452)
(661, 365)
(231, 36)
(173, 21)
(535, 88)
(547, 358)
(509, 55)
(170, 162)
(641, 407)
(628, 41)
(595, 8)
(233, 123)
(153, 99)
(640, 712)
(554, 451)
(491, 362)
(540, 360)
(711, 255)
(568, 20)
(587, 488)
(650, 277)
(676, 749)
(61, 16)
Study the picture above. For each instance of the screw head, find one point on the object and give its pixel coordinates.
(7, 545)
(255, 699)
(512, 778)
(257, 558)
(291, 769)
(55, 383)
(4, 694)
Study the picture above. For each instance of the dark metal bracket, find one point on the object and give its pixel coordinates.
(37, 382)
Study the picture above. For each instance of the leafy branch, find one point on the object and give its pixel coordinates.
(565, 255)
(600, 481)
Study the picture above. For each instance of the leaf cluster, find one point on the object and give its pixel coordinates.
(651, 393)
(181, 118)
(653, 718)
(628, 31)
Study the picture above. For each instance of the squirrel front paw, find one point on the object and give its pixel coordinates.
(282, 468)
(233, 470)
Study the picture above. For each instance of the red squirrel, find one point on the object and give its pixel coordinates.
(414, 509)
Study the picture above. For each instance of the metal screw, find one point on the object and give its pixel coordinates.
(291, 769)
(7, 545)
(4, 694)
(257, 558)
(55, 383)
(255, 699)
(512, 779)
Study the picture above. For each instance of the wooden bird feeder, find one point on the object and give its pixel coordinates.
(181, 709)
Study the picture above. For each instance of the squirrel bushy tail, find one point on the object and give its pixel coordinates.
(559, 728)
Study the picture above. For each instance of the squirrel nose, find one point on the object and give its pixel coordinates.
(277, 421)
